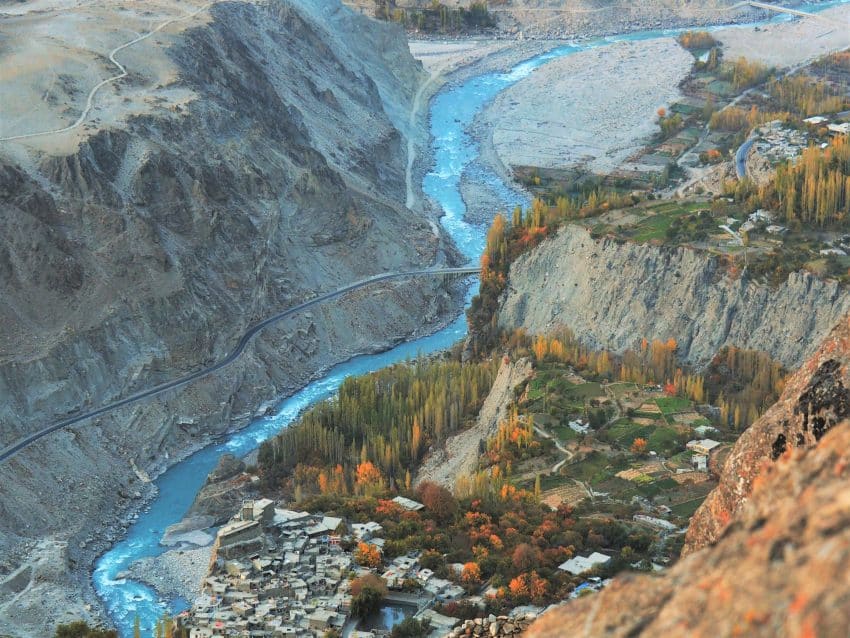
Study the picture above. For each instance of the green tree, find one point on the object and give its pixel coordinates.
(411, 628)
(366, 602)
(81, 629)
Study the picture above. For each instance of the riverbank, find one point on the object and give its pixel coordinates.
(786, 44)
(591, 111)
(551, 19)
(451, 62)
(141, 537)
(423, 155)
(175, 574)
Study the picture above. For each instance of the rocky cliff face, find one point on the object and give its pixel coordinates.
(815, 399)
(552, 19)
(145, 253)
(778, 528)
(781, 570)
(612, 294)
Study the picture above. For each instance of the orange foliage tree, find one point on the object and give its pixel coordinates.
(439, 501)
(372, 581)
(639, 446)
(367, 555)
(471, 574)
(368, 477)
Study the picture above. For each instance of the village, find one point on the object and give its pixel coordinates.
(280, 573)
(621, 444)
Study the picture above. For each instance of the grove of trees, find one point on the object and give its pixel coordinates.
(697, 40)
(377, 428)
(814, 189)
(438, 18)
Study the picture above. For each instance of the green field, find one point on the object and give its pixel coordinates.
(721, 88)
(651, 490)
(551, 393)
(664, 439)
(659, 218)
(595, 468)
(624, 432)
(564, 433)
(585, 391)
(687, 509)
(682, 458)
(659, 438)
(622, 389)
(653, 228)
(670, 405)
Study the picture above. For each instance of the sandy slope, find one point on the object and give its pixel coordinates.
(460, 454)
(789, 43)
(48, 77)
(593, 108)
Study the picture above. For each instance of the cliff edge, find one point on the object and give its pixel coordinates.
(614, 293)
(768, 553)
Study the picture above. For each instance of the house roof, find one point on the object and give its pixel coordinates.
(706, 444)
(408, 503)
(235, 527)
(580, 564)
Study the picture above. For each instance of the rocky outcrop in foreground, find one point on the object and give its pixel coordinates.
(613, 293)
(780, 551)
(814, 400)
(493, 627)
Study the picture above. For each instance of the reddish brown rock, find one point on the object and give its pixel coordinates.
(815, 398)
(781, 568)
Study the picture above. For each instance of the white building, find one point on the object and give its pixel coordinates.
(815, 120)
(365, 531)
(409, 504)
(578, 565)
(702, 446)
(578, 427)
(658, 523)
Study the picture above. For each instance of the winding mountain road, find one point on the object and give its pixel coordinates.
(411, 142)
(741, 156)
(122, 74)
(9, 451)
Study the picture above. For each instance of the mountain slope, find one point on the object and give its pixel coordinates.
(254, 155)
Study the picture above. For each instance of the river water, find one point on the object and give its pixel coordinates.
(451, 112)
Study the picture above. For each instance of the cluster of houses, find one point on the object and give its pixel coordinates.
(835, 128)
(279, 573)
(761, 219)
(778, 143)
(702, 450)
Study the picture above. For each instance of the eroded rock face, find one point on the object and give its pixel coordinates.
(612, 294)
(814, 400)
(769, 551)
(146, 252)
(221, 494)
